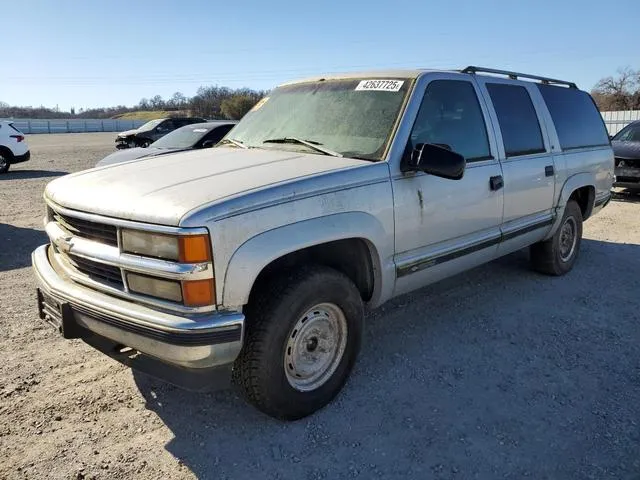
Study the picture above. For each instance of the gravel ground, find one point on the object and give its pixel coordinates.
(497, 373)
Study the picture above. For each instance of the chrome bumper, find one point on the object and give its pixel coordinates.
(199, 341)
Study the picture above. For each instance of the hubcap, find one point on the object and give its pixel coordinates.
(568, 239)
(315, 347)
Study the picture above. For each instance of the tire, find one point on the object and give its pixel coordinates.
(557, 255)
(5, 160)
(294, 319)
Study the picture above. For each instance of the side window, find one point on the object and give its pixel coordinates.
(517, 118)
(575, 116)
(450, 116)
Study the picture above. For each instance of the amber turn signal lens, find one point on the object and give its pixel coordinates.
(198, 293)
(195, 248)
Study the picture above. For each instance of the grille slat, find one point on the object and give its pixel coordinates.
(98, 271)
(103, 233)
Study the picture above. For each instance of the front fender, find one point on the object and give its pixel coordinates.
(256, 253)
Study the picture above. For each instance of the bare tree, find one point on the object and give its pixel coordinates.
(621, 92)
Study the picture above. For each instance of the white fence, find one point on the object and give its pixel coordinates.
(75, 125)
(616, 121)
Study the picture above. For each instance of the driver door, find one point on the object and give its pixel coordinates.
(447, 226)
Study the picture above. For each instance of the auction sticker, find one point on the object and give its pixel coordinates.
(380, 85)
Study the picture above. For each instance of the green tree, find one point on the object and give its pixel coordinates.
(237, 106)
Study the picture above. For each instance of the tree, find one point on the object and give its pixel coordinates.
(156, 102)
(178, 100)
(143, 104)
(237, 106)
(621, 92)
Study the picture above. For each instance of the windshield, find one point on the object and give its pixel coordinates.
(353, 117)
(631, 133)
(185, 137)
(151, 125)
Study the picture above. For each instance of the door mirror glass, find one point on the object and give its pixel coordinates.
(208, 144)
(438, 160)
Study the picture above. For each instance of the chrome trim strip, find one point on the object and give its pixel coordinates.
(147, 227)
(109, 255)
(417, 264)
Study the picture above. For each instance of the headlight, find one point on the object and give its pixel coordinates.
(185, 249)
(155, 287)
(177, 248)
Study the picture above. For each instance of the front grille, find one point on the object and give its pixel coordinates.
(622, 179)
(628, 162)
(98, 271)
(100, 232)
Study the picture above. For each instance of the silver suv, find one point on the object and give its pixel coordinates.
(258, 258)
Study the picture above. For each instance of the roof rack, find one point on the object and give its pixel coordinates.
(515, 75)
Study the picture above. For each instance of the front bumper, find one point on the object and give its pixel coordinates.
(195, 345)
(627, 177)
(21, 158)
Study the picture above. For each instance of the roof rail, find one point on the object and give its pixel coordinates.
(515, 75)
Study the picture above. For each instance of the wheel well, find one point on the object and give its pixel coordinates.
(6, 150)
(584, 197)
(350, 256)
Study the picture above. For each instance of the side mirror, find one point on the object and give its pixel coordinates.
(437, 160)
(208, 144)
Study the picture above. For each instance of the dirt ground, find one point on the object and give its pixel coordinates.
(497, 373)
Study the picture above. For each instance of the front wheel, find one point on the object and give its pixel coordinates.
(557, 255)
(303, 337)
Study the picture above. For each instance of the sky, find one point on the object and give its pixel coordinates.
(95, 53)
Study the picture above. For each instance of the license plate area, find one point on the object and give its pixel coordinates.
(57, 314)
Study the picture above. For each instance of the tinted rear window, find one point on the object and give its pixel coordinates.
(575, 116)
(13, 127)
(517, 117)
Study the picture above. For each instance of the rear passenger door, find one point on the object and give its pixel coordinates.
(527, 161)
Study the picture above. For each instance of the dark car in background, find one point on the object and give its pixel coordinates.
(190, 137)
(153, 130)
(626, 149)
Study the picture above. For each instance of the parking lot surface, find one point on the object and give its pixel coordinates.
(497, 373)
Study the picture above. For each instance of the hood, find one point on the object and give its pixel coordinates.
(163, 189)
(126, 133)
(133, 154)
(626, 149)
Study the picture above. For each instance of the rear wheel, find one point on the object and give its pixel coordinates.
(557, 255)
(302, 340)
(5, 160)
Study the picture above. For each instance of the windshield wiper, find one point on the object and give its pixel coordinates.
(309, 143)
(232, 141)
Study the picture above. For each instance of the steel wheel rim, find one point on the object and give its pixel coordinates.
(315, 346)
(568, 239)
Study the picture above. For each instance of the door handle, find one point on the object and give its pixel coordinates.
(549, 171)
(496, 183)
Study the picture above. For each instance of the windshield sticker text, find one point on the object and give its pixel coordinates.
(380, 85)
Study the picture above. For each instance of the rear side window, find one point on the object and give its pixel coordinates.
(517, 117)
(575, 116)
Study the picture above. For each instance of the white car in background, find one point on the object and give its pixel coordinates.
(13, 146)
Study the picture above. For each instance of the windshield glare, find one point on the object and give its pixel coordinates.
(354, 117)
(185, 137)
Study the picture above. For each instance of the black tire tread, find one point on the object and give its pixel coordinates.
(544, 255)
(248, 365)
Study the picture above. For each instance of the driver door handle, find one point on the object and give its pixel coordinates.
(496, 183)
